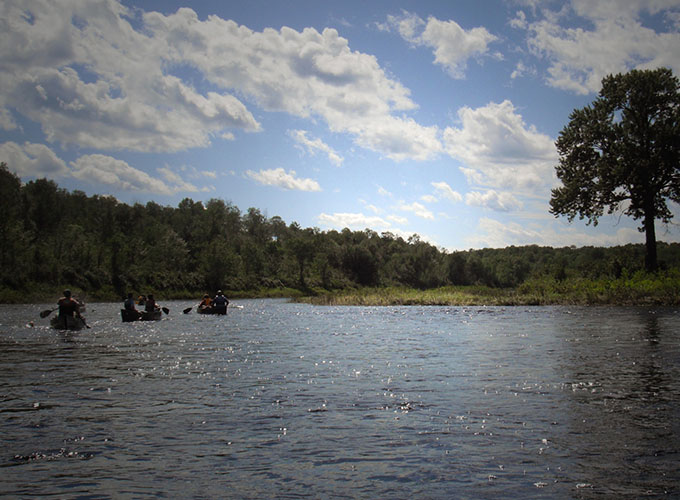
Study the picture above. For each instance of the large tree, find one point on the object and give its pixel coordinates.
(621, 153)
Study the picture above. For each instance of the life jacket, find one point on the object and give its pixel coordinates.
(220, 300)
(67, 306)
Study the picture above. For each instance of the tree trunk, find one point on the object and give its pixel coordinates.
(650, 237)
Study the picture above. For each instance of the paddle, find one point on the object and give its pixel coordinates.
(47, 312)
(165, 310)
(83, 320)
(188, 310)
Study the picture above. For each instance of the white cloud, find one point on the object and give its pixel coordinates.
(417, 209)
(360, 221)
(397, 219)
(285, 180)
(502, 202)
(103, 169)
(90, 79)
(177, 182)
(493, 233)
(522, 69)
(98, 75)
(616, 41)
(383, 192)
(32, 160)
(306, 74)
(500, 150)
(444, 190)
(38, 160)
(355, 221)
(314, 145)
(452, 45)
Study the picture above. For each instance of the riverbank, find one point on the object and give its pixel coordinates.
(640, 289)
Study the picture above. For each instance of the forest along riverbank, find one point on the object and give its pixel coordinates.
(656, 290)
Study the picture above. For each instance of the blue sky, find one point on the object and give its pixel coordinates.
(435, 118)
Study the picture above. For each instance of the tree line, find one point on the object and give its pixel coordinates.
(50, 237)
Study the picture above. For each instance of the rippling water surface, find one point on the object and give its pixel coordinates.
(280, 400)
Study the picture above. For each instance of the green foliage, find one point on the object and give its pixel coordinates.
(104, 248)
(622, 153)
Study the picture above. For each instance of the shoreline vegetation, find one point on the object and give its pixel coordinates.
(658, 292)
(101, 249)
(640, 289)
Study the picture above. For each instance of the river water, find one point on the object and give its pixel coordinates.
(282, 400)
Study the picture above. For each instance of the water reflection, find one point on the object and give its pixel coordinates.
(282, 400)
(624, 401)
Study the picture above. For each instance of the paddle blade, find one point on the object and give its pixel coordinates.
(166, 310)
(187, 310)
(46, 313)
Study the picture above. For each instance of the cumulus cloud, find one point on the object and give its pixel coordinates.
(38, 160)
(452, 45)
(307, 74)
(493, 233)
(397, 219)
(109, 171)
(178, 183)
(32, 160)
(613, 39)
(445, 191)
(502, 202)
(417, 209)
(355, 221)
(499, 150)
(285, 180)
(90, 79)
(314, 145)
(96, 74)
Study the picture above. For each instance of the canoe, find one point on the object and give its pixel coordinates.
(129, 315)
(151, 315)
(67, 323)
(212, 310)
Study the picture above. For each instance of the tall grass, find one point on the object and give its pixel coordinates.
(639, 288)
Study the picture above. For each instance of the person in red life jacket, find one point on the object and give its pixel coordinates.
(206, 303)
(68, 307)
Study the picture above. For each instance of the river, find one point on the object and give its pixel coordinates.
(283, 400)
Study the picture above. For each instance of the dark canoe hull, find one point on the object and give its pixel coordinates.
(212, 310)
(151, 315)
(67, 323)
(129, 315)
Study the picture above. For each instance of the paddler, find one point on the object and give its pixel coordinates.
(68, 308)
(220, 303)
(205, 303)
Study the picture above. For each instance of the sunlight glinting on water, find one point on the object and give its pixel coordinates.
(286, 400)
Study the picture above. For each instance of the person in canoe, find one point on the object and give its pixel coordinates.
(151, 305)
(69, 309)
(220, 303)
(130, 312)
(205, 304)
